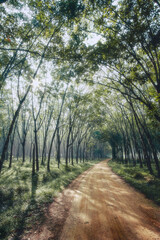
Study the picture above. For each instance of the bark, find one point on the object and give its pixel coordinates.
(80, 154)
(36, 150)
(113, 151)
(12, 141)
(83, 152)
(18, 151)
(31, 152)
(33, 161)
(67, 148)
(23, 149)
(77, 152)
(58, 148)
(72, 149)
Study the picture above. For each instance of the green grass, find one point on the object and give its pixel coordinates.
(139, 178)
(23, 198)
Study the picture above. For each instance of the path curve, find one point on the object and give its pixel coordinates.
(100, 206)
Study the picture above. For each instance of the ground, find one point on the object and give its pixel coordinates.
(99, 205)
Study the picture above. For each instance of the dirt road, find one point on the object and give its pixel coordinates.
(100, 206)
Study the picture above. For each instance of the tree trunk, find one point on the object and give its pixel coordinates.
(113, 152)
(18, 151)
(10, 158)
(33, 163)
(67, 145)
(36, 150)
(50, 150)
(66, 158)
(83, 154)
(31, 152)
(77, 153)
(58, 148)
(12, 141)
(80, 154)
(23, 149)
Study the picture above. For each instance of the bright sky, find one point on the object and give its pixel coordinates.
(92, 39)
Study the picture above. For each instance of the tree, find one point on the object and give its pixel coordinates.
(25, 122)
(37, 122)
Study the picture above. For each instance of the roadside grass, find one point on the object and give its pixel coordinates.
(139, 178)
(23, 198)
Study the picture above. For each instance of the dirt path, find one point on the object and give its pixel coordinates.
(98, 205)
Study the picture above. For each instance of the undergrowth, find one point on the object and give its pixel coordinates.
(23, 198)
(140, 178)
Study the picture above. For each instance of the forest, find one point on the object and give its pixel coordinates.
(79, 82)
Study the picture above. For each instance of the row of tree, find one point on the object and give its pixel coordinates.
(134, 139)
(125, 62)
(53, 122)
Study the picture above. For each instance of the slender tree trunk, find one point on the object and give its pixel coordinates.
(44, 149)
(83, 154)
(66, 158)
(45, 138)
(12, 141)
(72, 150)
(31, 152)
(72, 155)
(69, 155)
(80, 154)
(10, 157)
(36, 150)
(58, 148)
(113, 151)
(23, 149)
(67, 146)
(77, 153)
(33, 162)
(50, 150)
(18, 151)
(140, 159)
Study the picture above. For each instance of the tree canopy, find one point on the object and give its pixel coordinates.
(98, 64)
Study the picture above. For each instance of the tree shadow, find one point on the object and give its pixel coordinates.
(31, 206)
(34, 187)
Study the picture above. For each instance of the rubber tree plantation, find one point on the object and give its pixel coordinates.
(79, 83)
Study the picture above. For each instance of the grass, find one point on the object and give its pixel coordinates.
(139, 178)
(23, 198)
